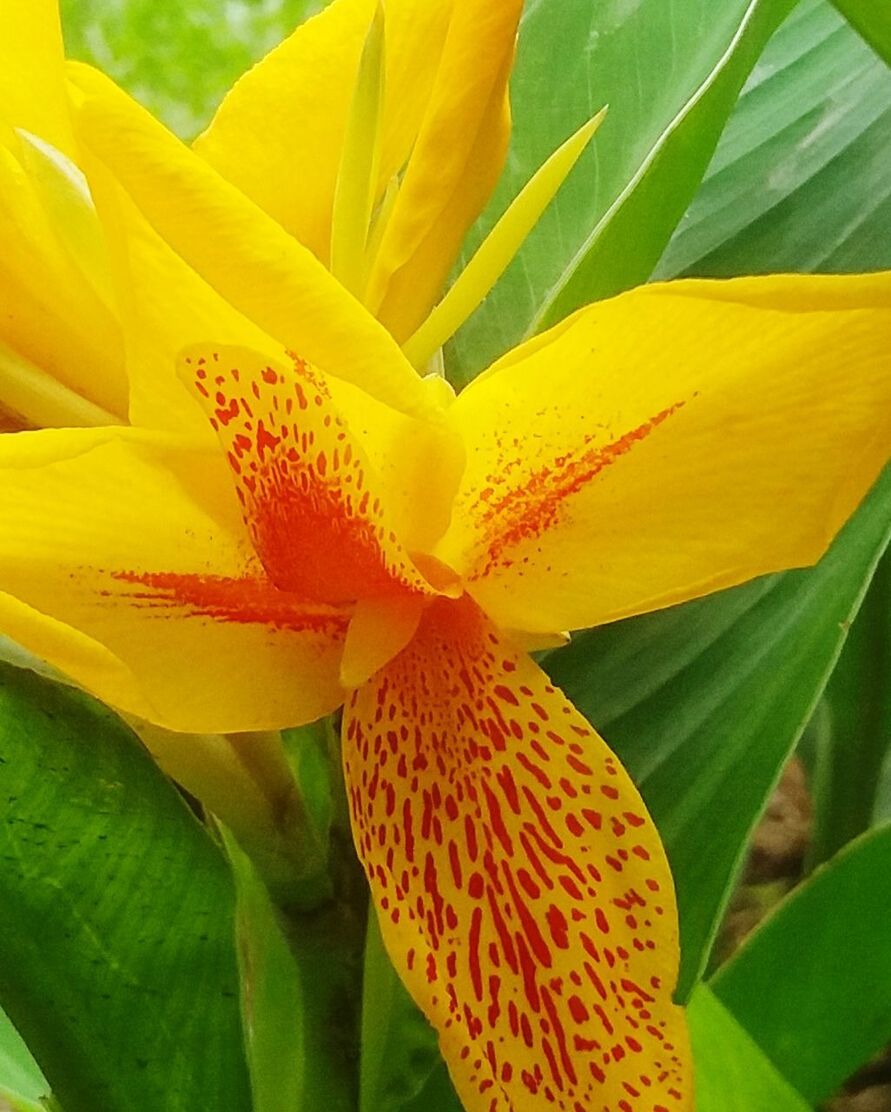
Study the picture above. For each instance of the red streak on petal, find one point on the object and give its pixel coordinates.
(526, 512)
(246, 600)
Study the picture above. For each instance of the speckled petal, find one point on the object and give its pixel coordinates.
(521, 888)
(315, 509)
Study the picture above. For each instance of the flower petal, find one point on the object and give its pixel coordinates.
(52, 316)
(290, 111)
(458, 157)
(32, 58)
(129, 569)
(521, 888)
(670, 442)
(238, 249)
(313, 506)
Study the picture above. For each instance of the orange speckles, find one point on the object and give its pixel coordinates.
(319, 529)
(516, 510)
(494, 881)
(247, 600)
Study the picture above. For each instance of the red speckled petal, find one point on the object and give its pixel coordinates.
(310, 499)
(521, 887)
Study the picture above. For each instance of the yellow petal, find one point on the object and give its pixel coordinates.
(280, 131)
(670, 442)
(379, 629)
(125, 564)
(240, 251)
(32, 78)
(520, 886)
(314, 508)
(164, 307)
(53, 318)
(498, 248)
(453, 167)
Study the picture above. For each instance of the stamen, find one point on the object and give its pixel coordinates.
(354, 193)
(499, 248)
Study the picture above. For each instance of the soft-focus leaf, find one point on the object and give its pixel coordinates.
(801, 180)
(703, 704)
(178, 58)
(872, 18)
(852, 735)
(19, 1073)
(117, 957)
(811, 984)
(295, 1061)
(731, 1072)
(670, 74)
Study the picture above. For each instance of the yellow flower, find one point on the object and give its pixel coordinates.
(306, 522)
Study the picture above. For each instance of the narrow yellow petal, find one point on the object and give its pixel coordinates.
(453, 167)
(356, 189)
(45, 401)
(669, 442)
(65, 195)
(53, 317)
(499, 247)
(279, 133)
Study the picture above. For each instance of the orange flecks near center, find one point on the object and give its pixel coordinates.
(308, 496)
(526, 512)
(246, 600)
(521, 888)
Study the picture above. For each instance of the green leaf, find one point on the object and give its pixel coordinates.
(704, 703)
(20, 1075)
(291, 996)
(402, 1070)
(117, 957)
(731, 1073)
(872, 18)
(801, 179)
(178, 58)
(811, 984)
(670, 74)
(852, 735)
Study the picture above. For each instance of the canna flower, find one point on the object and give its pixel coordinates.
(303, 521)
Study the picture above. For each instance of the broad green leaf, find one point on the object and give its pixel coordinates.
(872, 18)
(704, 703)
(117, 957)
(670, 74)
(731, 1072)
(801, 179)
(852, 735)
(292, 997)
(20, 1076)
(401, 1070)
(178, 58)
(811, 984)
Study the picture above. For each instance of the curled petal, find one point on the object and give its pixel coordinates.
(521, 888)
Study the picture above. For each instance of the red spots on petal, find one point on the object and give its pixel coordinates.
(502, 893)
(512, 512)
